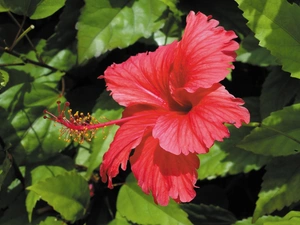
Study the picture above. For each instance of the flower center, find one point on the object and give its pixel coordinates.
(187, 107)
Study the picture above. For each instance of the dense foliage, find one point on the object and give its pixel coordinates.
(54, 51)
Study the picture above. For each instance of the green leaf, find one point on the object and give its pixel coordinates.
(280, 185)
(5, 168)
(50, 168)
(250, 52)
(10, 190)
(105, 109)
(278, 90)
(208, 214)
(292, 218)
(90, 154)
(274, 24)
(119, 220)
(4, 77)
(253, 105)
(33, 137)
(32, 89)
(225, 158)
(136, 206)
(60, 60)
(12, 186)
(68, 194)
(171, 31)
(35, 9)
(46, 8)
(3, 7)
(65, 32)
(265, 220)
(278, 135)
(16, 214)
(50, 220)
(172, 5)
(102, 23)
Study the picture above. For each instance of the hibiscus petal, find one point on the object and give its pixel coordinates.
(204, 54)
(164, 174)
(128, 136)
(196, 131)
(142, 79)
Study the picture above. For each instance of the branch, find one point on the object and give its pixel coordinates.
(19, 31)
(12, 64)
(25, 60)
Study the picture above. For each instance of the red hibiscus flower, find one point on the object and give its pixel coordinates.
(178, 109)
(175, 108)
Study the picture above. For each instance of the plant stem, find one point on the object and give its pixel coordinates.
(21, 29)
(12, 64)
(25, 60)
(31, 27)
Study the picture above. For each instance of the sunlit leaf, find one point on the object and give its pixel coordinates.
(280, 185)
(133, 202)
(105, 109)
(275, 25)
(50, 220)
(25, 128)
(31, 89)
(172, 5)
(35, 9)
(225, 158)
(250, 52)
(119, 220)
(278, 90)
(102, 23)
(50, 168)
(68, 194)
(46, 8)
(292, 218)
(3, 7)
(59, 60)
(261, 221)
(90, 154)
(4, 77)
(171, 31)
(83, 154)
(278, 134)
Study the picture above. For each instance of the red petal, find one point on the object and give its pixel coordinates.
(204, 54)
(128, 136)
(164, 174)
(142, 79)
(196, 131)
